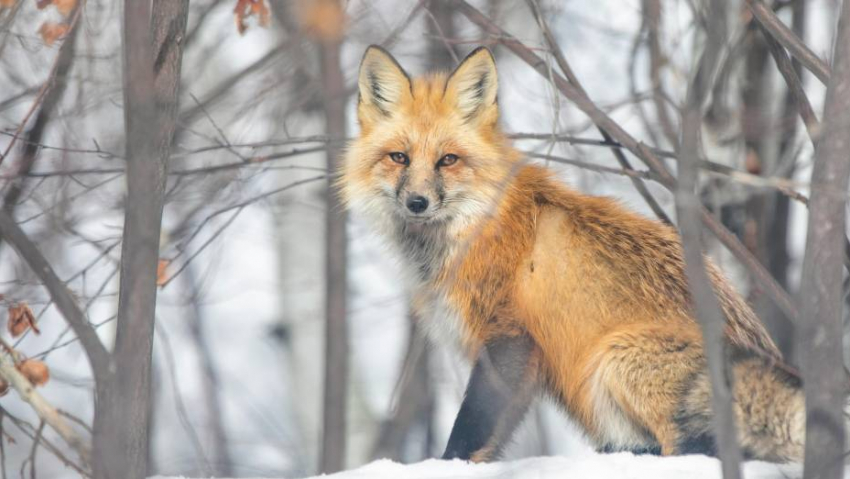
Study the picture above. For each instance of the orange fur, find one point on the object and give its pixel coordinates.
(510, 251)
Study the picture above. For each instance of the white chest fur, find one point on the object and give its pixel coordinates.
(424, 252)
(441, 322)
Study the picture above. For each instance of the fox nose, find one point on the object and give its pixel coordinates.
(417, 203)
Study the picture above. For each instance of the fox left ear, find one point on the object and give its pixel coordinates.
(473, 86)
(382, 83)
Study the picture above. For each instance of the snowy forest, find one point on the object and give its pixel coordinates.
(183, 293)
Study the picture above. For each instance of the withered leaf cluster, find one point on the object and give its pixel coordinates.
(21, 319)
(52, 31)
(250, 8)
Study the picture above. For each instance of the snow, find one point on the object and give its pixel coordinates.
(596, 466)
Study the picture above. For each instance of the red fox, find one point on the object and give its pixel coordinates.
(548, 290)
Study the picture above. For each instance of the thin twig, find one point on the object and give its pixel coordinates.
(247, 162)
(66, 302)
(44, 409)
(46, 86)
(784, 35)
(652, 18)
(239, 207)
(34, 449)
(47, 444)
(568, 72)
(795, 86)
(182, 414)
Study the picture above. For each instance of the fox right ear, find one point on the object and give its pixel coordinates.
(382, 83)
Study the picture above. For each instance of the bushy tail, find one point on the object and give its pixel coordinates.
(769, 408)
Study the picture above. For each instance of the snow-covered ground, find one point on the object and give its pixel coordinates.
(589, 466)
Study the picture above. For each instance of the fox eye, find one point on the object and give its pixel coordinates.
(400, 158)
(447, 160)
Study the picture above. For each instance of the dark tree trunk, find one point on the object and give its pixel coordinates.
(705, 303)
(821, 331)
(769, 211)
(336, 333)
(152, 59)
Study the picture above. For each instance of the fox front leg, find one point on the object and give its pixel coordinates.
(501, 388)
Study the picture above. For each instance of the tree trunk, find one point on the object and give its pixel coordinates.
(820, 334)
(772, 218)
(152, 59)
(336, 332)
(705, 303)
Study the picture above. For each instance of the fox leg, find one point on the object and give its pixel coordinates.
(637, 382)
(501, 388)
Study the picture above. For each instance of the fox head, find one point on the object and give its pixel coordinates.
(430, 150)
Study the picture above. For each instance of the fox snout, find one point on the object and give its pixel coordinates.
(416, 203)
(418, 193)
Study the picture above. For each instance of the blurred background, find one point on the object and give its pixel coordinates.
(239, 345)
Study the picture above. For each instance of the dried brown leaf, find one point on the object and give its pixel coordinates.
(162, 271)
(262, 11)
(323, 20)
(35, 371)
(50, 32)
(248, 8)
(20, 319)
(7, 3)
(752, 162)
(42, 4)
(65, 6)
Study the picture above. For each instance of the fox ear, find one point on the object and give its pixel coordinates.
(382, 83)
(473, 86)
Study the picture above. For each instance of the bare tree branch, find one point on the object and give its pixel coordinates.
(652, 15)
(54, 89)
(64, 299)
(30, 432)
(412, 397)
(221, 459)
(770, 22)
(795, 86)
(62, 61)
(44, 409)
(618, 154)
